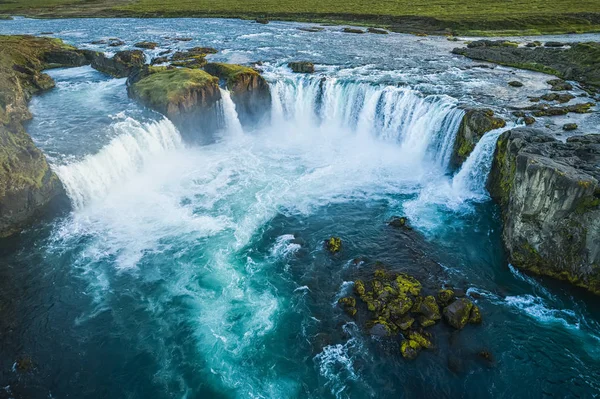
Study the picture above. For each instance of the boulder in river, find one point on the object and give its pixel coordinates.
(515, 83)
(569, 126)
(146, 45)
(302, 67)
(121, 65)
(353, 30)
(377, 31)
(474, 125)
(249, 91)
(186, 96)
(549, 195)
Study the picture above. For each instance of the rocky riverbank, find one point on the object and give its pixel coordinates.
(549, 194)
(574, 61)
(28, 187)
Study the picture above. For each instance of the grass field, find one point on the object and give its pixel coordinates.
(433, 16)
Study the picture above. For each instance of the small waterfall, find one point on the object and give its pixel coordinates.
(230, 116)
(472, 176)
(92, 177)
(423, 125)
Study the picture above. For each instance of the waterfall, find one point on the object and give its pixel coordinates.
(423, 125)
(230, 116)
(472, 176)
(91, 177)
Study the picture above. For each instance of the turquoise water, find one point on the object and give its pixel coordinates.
(199, 271)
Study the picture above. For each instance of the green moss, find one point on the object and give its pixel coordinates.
(408, 284)
(170, 86)
(231, 73)
(334, 244)
(359, 288)
(445, 297)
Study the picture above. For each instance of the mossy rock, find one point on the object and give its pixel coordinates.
(458, 313)
(146, 45)
(353, 30)
(475, 316)
(570, 126)
(399, 222)
(445, 297)
(359, 288)
(334, 244)
(408, 284)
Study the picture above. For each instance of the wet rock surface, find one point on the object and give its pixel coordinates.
(550, 198)
(397, 305)
(474, 125)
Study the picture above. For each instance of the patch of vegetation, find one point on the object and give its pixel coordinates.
(170, 86)
(435, 16)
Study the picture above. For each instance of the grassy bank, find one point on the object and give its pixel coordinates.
(432, 16)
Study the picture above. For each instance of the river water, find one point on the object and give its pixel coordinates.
(188, 271)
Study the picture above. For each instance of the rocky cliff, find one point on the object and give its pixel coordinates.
(550, 199)
(249, 91)
(186, 96)
(27, 184)
(121, 65)
(473, 126)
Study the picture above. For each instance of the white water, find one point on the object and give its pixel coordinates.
(421, 126)
(136, 144)
(146, 196)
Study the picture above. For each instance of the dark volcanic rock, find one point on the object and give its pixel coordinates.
(474, 125)
(146, 45)
(515, 83)
(302, 67)
(353, 30)
(550, 197)
(120, 66)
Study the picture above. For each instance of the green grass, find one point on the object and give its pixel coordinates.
(460, 16)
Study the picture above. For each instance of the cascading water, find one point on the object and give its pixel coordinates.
(136, 144)
(421, 125)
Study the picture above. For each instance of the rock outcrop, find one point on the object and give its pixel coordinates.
(249, 91)
(28, 187)
(474, 125)
(121, 65)
(397, 306)
(302, 67)
(186, 96)
(579, 62)
(550, 200)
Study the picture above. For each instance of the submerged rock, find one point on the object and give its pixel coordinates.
(559, 85)
(263, 21)
(474, 125)
(334, 244)
(302, 67)
(121, 65)
(115, 42)
(311, 29)
(399, 222)
(249, 91)
(187, 97)
(550, 200)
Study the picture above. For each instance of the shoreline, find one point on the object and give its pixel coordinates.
(563, 24)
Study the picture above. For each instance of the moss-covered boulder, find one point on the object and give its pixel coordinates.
(549, 194)
(473, 126)
(458, 313)
(121, 65)
(28, 187)
(249, 91)
(333, 244)
(188, 97)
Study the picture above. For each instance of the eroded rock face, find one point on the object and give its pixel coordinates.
(121, 65)
(249, 91)
(550, 199)
(302, 67)
(474, 125)
(187, 97)
(28, 187)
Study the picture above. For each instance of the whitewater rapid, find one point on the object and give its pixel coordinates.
(147, 201)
